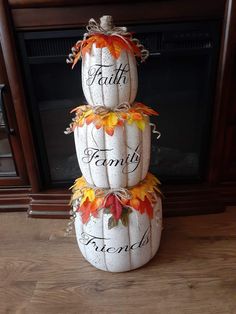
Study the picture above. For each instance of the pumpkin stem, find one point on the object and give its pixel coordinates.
(106, 22)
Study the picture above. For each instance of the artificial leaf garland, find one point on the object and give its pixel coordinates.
(109, 119)
(141, 198)
(107, 35)
(114, 43)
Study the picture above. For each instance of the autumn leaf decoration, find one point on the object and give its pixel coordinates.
(106, 35)
(114, 43)
(113, 206)
(109, 120)
(142, 200)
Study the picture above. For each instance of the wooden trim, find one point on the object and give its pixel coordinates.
(229, 161)
(44, 14)
(178, 200)
(12, 181)
(12, 191)
(222, 96)
(145, 12)
(14, 199)
(191, 200)
(21, 177)
(58, 3)
(228, 193)
(17, 91)
(49, 214)
(49, 205)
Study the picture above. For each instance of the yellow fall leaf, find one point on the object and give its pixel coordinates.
(90, 194)
(87, 113)
(112, 119)
(140, 124)
(134, 192)
(130, 121)
(80, 182)
(142, 194)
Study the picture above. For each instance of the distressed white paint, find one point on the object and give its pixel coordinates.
(146, 140)
(156, 232)
(121, 160)
(107, 81)
(81, 144)
(121, 248)
(118, 237)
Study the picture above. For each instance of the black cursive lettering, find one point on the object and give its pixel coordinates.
(129, 164)
(118, 76)
(98, 244)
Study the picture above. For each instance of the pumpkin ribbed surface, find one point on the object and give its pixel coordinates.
(120, 160)
(108, 81)
(116, 204)
(122, 248)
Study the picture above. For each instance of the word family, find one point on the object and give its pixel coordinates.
(98, 157)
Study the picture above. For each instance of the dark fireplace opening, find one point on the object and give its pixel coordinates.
(177, 80)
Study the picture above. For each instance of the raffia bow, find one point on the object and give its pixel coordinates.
(123, 107)
(120, 193)
(95, 28)
(89, 199)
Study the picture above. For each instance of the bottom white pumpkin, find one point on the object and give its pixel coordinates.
(121, 248)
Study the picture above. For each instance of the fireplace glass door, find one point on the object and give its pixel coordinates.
(177, 81)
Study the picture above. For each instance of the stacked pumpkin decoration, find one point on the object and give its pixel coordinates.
(116, 204)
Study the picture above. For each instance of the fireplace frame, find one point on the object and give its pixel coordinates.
(48, 48)
(219, 188)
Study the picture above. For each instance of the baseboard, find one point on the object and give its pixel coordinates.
(177, 201)
(14, 199)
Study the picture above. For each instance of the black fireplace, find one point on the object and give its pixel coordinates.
(177, 80)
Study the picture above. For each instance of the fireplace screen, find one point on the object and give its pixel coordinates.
(177, 80)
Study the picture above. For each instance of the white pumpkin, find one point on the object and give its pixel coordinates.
(120, 160)
(107, 81)
(120, 248)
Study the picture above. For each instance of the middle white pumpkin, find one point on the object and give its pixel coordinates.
(120, 160)
(107, 81)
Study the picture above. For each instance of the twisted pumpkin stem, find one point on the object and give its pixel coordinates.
(106, 22)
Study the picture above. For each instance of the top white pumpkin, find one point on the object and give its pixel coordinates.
(109, 69)
(108, 81)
